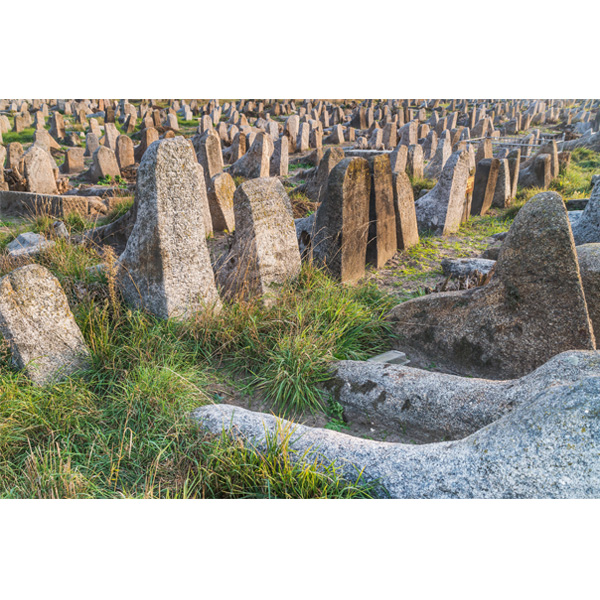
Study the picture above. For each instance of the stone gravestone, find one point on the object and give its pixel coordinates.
(342, 221)
(486, 177)
(165, 267)
(38, 171)
(502, 195)
(407, 234)
(256, 162)
(522, 318)
(441, 209)
(220, 201)
(104, 163)
(38, 325)
(382, 243)
(265, 251)
(279, 163)
(73, 161)
(124, 152)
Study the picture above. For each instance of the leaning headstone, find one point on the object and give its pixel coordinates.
(265, 251)
(38, 171)
(165, 267)
(407, 233)
(256, 162)
(104, 163)
(522, 318)
(441, 209)
(38, 325)
(502, 195)
(342, 221)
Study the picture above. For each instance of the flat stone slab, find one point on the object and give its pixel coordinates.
(547, 447)
(466, 267)
(28, 244)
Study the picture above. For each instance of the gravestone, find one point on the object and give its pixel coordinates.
(486, 177)
(342, 221)
(165, 267)
(104, 163)
(522, 318)
(124, 152)
(407, 234)
(382, 243)
(256, 162)
(265, 251)
(220, 201)
(441, 209)
(38, 171)
(37, 323)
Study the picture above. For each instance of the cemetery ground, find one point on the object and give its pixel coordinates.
(120, 428)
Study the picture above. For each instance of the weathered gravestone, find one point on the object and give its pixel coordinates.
(342, 221)
(441, 209)
(486, 178)
(522, 318)
(256, 162)
(220, 201)
(407, 234)
(104, 163)
(382, 243)
(38, 170)
(38, 325)
(587, 228)
(265, 251)
(165, 267)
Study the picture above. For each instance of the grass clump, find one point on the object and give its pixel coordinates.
(284, 351)
(421, 183)
(24, 137)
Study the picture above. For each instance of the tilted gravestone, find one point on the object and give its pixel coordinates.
(486, 177)
(165, 267)
(441, 209)
(265, 251)
(407, 233)
(37, 323)
(220, 200)
(519, 320)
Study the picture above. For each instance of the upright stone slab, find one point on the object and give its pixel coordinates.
(440, 211)
(486, 177)
(104, 163)
(148, 137)
(279, 163)
(398, 158)
(125, 152)
(316, 187)
(111, 133)
(165, 267)
(502, 195)
(73, 161)
(407, 233)
(209, 153)
(265, 253)
(342, 221)
(38, 171)
(514, 166)
(220, 200)
(91, 144)
(37, 323)
(382, 243)
(533, 308)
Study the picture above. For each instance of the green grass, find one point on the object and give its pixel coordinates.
(421, 183)
(120, 429)
(576, 182)
(24, 137)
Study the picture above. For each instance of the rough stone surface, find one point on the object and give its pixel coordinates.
(256, 162)
(522, 318)
(265, 251)
(441, 209)
(38, 325)
(465, 267)
(382, 243)
(546, 448)
(407, 233)
(28, 244)
(342, 221)
(586, 229)
(38, 171)
(486, 177)
(220, 201)
(165, 267)
(588, 256)
(423, 406)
